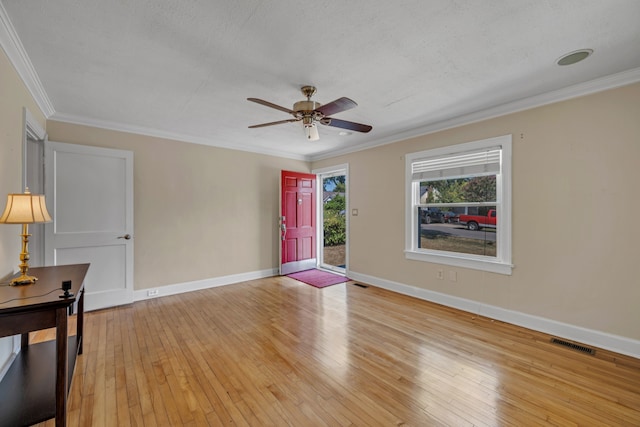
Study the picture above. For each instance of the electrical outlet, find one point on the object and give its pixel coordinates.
(440, 274)
(153, 292)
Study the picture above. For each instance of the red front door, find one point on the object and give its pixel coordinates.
(297, 222)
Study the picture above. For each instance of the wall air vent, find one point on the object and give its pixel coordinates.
(578, 347)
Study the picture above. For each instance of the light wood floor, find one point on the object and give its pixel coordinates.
(276, 352)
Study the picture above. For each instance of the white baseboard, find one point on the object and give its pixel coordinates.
(615, 343)
(179, 288)
(595, 338)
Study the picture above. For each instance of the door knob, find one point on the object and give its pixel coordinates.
(125, 237)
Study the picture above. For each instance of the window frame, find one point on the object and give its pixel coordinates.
(502, 262)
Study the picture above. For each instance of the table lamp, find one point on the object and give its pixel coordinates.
(25, 209)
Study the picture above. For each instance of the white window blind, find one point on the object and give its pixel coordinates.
(461, 165)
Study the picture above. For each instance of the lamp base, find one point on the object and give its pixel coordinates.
(23, 280)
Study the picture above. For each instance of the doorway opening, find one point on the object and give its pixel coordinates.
(332, 214)
(33, 139)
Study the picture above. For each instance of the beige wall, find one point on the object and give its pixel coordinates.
(13, 97)
(203, 212)
(199, 212)
(576, 239)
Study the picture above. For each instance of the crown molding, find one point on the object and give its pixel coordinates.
(16, 53)
(593, 86)
(12, 46)
(581, 89)
(140, 130)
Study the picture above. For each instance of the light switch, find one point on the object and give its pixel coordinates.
(354, 212)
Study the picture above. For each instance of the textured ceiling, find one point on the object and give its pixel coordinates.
(184, 69)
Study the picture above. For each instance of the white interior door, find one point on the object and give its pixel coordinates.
(89, 192)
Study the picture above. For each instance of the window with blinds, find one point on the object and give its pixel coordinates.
(486, 162)
(459, 205)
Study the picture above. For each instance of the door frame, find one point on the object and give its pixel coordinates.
(341, 169)
(33, 133)
(31, 130)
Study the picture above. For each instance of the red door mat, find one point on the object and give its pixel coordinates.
(317, 278)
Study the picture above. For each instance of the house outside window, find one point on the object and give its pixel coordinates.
(458, 205)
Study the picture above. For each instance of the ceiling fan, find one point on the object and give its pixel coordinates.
(312, 112)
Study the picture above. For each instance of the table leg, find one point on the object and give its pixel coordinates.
(62, 364)
(80, 322)
(24, 342)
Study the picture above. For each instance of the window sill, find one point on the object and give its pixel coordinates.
(458, 261)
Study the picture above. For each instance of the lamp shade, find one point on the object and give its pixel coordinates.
(25, 208)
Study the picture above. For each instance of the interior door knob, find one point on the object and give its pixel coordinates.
(125, 237)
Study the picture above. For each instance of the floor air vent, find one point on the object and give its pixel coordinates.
(573, 346)
(360, 284)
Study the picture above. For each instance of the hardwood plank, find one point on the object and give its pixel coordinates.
(278, 352)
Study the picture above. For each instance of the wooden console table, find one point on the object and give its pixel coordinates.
(36, 386)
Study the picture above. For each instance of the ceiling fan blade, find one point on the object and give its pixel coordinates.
(341, 104)
(269, 104)
(273, 123)
(346, 125)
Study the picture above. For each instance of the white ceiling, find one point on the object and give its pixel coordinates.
(184, 69)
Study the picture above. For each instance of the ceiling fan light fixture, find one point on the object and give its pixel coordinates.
(310, 113)
(311, 132)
